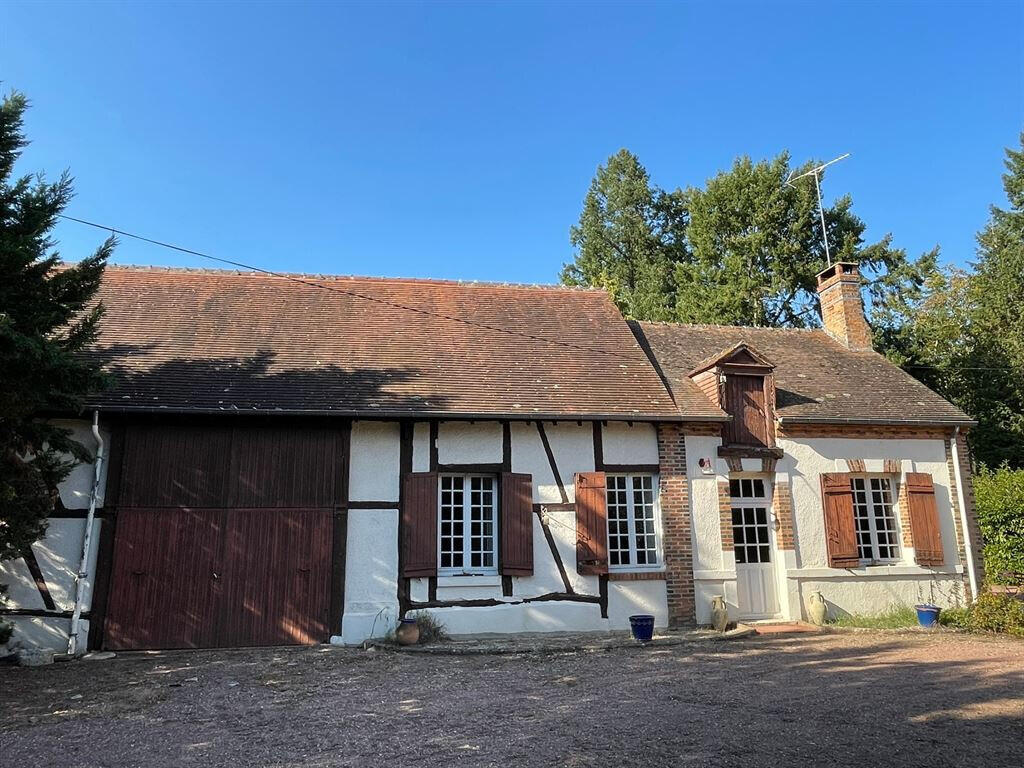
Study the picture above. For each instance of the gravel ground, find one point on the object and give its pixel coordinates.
(852, 699)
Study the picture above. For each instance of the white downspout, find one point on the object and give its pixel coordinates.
(83, 568)
(963, 514)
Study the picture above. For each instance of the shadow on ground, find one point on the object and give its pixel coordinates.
(835, 700)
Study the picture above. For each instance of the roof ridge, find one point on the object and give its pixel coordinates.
(730, 327)
(324, 277)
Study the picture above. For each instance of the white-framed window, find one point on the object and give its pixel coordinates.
(467, 525)
(878, 532)
(634, 539)
(750, 503)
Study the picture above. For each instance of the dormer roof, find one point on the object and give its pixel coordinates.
(739, 354)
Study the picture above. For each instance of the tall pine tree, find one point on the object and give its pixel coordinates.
(628, 239)
(46, 323)
(994, 364)
(756, 248)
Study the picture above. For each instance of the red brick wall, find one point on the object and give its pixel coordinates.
(677, 533)
(725, 515)
(782, 505)
(842, 309)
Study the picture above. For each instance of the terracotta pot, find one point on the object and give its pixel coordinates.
(719, 613)
(408, 632)
(817, 608)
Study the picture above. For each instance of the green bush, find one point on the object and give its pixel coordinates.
(955, 617)
(999, 503)
(997, 613)
(989, 613)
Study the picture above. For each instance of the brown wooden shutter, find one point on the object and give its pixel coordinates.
(924, 519)
(419, 524)
(591, 523)
(840, 530)
(516, 524)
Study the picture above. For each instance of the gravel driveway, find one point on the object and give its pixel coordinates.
(860, 700)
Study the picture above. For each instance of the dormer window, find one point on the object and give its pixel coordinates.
(745, 401)
(739, 381)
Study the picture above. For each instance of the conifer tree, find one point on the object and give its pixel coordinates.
(48, 319)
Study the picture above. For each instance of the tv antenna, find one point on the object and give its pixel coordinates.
(816, 173)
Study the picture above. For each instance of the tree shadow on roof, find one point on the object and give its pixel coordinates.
(257, 384)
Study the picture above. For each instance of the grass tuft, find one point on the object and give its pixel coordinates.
(894, 617)
(431, 630)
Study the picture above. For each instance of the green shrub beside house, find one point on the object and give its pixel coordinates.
(999, 502)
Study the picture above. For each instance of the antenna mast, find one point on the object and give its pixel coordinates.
(816, 173)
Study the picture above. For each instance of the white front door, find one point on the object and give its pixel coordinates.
(754, 547)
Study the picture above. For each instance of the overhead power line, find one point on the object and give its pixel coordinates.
(336, 289)
(399, 305)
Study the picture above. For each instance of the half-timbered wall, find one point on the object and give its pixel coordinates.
(41, 587)
(552, 453)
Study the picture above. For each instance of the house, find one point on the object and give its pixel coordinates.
(298, 459)
(837, 473)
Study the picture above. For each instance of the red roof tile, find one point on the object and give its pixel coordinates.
(816, 378)
(193, 340)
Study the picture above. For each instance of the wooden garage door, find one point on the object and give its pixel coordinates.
(209, 578)
(224, 536)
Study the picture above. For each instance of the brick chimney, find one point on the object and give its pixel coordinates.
(842, 308)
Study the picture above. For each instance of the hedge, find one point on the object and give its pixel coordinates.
(999, 503)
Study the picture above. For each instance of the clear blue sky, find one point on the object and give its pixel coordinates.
(457, 140)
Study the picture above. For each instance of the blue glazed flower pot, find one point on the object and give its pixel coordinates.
(642, 627)
(927, 615)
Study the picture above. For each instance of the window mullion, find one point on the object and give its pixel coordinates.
(872, 529)
(467, 525)
(631, 521)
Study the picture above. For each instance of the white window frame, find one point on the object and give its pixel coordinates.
(872, 530)
(467, 520)
(659, 564)
(754, 500)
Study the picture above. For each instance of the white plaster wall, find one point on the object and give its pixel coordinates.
(77, 486)
(374, 461)
(866, 595)
(706, 589)
(460, 442)
(371, 575)
(421, 447)
(555, 616)
(626, 598)
(704, 515)
(573, 448)
(624, 443)
(33, 632)
(807, 459)
(59, 554)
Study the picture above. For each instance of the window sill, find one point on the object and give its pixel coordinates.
(468, 580)
(874, 572)
(637, 576)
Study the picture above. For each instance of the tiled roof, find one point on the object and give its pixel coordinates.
(198, 340)
(816, 378)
